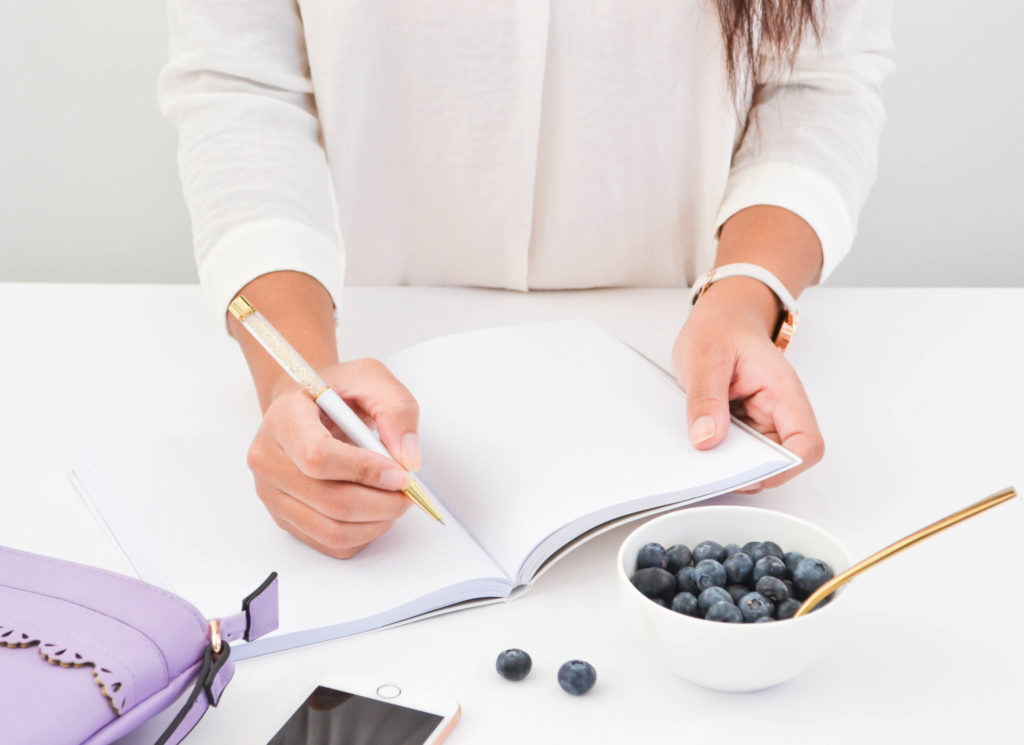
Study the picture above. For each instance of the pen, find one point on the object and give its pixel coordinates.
(326, 398)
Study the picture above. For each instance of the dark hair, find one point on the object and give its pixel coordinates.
(758, 31)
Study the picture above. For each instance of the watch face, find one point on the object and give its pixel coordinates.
(787, 327)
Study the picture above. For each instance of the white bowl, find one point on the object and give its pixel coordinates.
(733, 656)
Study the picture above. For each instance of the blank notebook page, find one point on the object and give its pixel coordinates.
(525, 429)
(187, 516)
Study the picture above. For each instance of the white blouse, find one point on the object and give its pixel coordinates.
(515, 144)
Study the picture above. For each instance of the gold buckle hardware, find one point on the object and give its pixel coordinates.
(215, 641)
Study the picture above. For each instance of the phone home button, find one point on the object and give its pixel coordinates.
(389, 691)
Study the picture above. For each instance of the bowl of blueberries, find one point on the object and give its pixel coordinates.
(712, 591)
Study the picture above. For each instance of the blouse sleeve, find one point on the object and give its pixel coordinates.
(812, 142)
(254, 173)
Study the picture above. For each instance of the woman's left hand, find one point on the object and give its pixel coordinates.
(725, 360)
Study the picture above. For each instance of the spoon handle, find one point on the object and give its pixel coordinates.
(826, 589)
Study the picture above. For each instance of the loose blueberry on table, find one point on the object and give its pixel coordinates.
(755, 583)
(514, 664)
(577, 677)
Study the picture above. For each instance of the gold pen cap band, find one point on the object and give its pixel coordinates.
(416, 493)
(241, 308)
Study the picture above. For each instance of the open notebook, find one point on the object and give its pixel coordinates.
(532, 437)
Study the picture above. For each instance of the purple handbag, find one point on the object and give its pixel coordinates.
(87, 655)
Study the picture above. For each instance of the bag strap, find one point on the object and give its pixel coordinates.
(258, 617)
(212, 679)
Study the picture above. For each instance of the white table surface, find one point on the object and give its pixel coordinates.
(918, 393)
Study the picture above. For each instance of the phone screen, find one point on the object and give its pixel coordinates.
(331, 717)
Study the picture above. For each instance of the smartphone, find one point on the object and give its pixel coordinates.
(348, 710)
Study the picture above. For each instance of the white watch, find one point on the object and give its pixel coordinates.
(786, 326)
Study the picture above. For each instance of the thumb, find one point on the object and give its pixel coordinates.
(396, 425)
(707, 400)
(370, 385)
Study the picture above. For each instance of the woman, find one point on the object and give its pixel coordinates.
(520, 145)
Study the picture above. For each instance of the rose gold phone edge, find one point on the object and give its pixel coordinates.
(446, 707)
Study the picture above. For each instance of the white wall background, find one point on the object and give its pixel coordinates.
(89, 191)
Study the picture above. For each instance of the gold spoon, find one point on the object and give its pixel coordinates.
(826, 589)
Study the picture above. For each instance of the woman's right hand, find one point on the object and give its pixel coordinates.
(326, 492)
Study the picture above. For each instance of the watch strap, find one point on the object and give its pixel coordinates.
(786, 326)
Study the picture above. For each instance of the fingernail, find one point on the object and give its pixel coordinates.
(394, 479)
(411, 451)
(702, 430)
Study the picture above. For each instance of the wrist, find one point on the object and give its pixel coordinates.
(744, 300)
(302, 311)
(269, 390)
(773, 238)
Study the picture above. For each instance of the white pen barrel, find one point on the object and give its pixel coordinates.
(339, 413)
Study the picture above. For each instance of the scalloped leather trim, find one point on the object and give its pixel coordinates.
(62, 656)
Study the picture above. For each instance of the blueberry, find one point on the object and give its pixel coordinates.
(708, 550)
(791, 559)
(731, 549)
(772, 588)
(767, 548)
(655, 583)
(685, 581)
(787, 608)
(652, 555)
(754, 605)
(811, 574)
(711, 596)
(750, 548)
(724, 612)
(765, 619)
(737, 591)
(685, 603)
(577, 677)
(790, 587)
(514, 664)
(769, 566)
(738, 568)
(709, 573)
(660, 601)
(679, 556)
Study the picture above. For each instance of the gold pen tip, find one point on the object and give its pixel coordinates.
(417, 494)
(241, 308)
